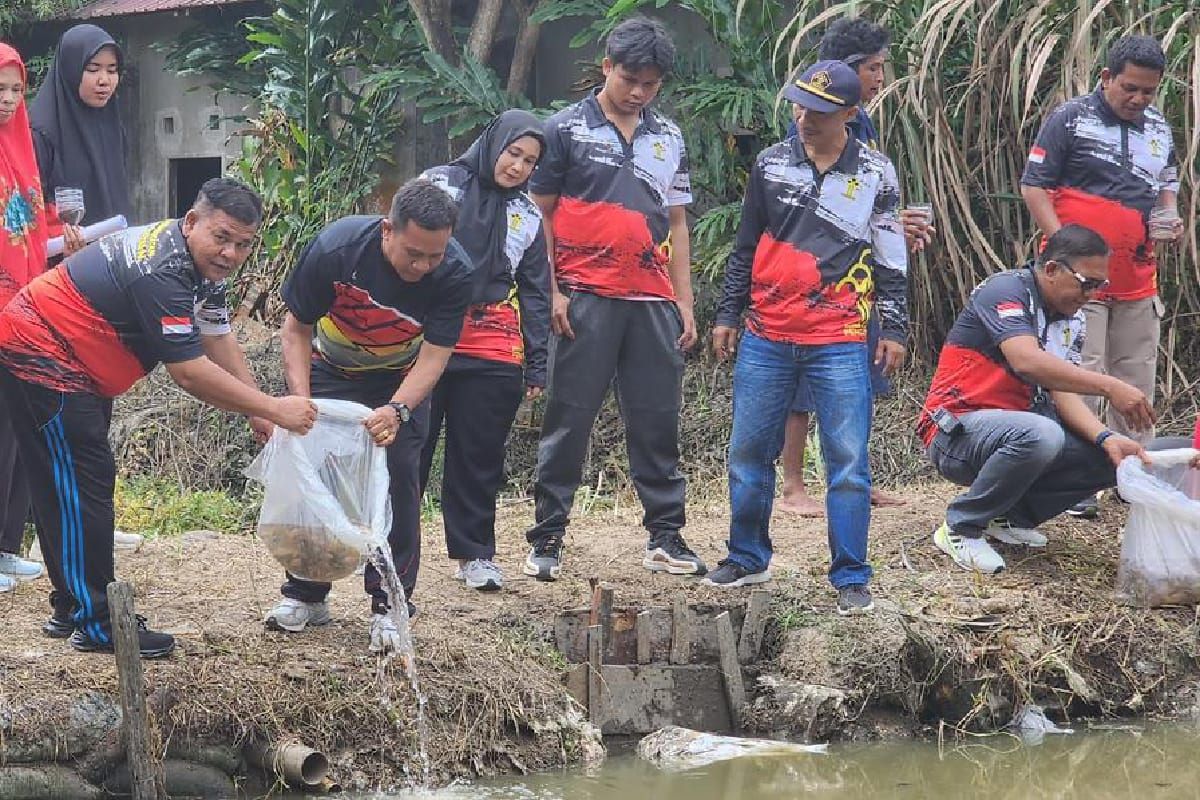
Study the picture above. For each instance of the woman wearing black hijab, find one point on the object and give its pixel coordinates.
(77, 132)
(506, 328)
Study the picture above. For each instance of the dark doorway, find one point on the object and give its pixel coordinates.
(187, 176)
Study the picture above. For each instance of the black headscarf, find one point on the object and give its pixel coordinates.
(482, 213)
(78, 145)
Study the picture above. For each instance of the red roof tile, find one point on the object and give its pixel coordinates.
(118, 8)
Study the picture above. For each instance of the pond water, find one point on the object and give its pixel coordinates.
(1113, 762)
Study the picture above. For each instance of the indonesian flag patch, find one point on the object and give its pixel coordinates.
(1009, 310)
(176, 326)
(1037, 155)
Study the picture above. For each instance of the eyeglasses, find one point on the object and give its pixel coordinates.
(1088, 285)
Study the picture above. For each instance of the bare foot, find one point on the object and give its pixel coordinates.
(882, 499)
(801, 504)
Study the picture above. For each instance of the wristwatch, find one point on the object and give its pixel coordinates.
(1103, 435)
(402, 412)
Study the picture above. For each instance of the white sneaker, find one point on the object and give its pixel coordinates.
(1004, 531)
(482, 574)
(7, 584)
(970, 554)
(127, 541)
(294, 616)
(18, 568)
(385, 636)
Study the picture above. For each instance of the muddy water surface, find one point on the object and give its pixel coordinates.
(1145, 764)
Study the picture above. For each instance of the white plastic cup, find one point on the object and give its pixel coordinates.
(97, 230)
(924, 209)
(1163, 220)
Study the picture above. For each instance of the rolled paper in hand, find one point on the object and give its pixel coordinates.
(91, 233)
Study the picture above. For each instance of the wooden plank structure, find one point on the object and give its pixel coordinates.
(638, 669)
(145, 768)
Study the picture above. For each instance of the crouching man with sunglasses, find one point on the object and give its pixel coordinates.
(1004, 416)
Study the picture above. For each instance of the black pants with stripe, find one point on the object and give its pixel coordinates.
(375, 389)
(63, 443)
(477, 408)
(14, 488)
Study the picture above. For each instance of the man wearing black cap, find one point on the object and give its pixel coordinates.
(818, 243)
(862, 45)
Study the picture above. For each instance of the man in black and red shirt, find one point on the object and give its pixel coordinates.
(818, 248)
(1107, 160)
(612, 186)
(1004, 415)
(83, 333)
(375, 307)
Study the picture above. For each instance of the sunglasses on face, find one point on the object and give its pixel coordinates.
(1088, 285)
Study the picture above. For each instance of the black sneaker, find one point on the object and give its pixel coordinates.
(545, 558)
(667, 552)
(1087, 508)
(58, 627)
(729, 575)
(151, 644)
(412, 610)
(854, 599)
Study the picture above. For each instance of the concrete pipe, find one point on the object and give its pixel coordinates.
(298, 765)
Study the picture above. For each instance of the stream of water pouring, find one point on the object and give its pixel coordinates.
(381, 557)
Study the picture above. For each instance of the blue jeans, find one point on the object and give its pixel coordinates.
(764, 381)
(881, 385)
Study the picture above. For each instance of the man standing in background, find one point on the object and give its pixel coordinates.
(613, 186)
(1107, 160)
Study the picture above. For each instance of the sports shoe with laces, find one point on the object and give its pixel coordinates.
(970, 554)
(151, 644)
(1004, 531)
(58, 627)
(294, 616)
(544, 561)
(481, 574)
(854, 599)
(1087, 508)
(730, 575)
(667, 552)
(17, 568)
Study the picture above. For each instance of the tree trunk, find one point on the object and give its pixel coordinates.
(438, 26)
(524, 49)
(483, 29)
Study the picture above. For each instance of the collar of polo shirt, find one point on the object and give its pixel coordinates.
(596, 119)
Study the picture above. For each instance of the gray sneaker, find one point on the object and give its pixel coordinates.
(854, 599)
(481, 574)
(667, 552)
(294, 616)
(17, 568)
(544, 561)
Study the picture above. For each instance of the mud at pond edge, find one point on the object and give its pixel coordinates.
(496, 700)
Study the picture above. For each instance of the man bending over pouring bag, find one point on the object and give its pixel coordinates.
(375, 307)
(83, 333)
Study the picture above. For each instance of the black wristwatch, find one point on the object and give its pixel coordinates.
(402, 412)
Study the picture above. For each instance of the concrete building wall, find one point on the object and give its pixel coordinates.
(167, 117)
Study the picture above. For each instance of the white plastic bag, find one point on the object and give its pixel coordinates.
(1160, 556)
(326, 501)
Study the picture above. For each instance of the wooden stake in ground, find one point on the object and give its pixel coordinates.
(735, 689)
(681, 634)
(145, 770)
(754, 625)
(595, 695)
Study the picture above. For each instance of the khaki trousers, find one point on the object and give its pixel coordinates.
(1122, 341)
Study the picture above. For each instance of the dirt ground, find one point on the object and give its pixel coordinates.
(1054, 636)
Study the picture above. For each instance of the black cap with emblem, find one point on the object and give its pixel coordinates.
(825, 86)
